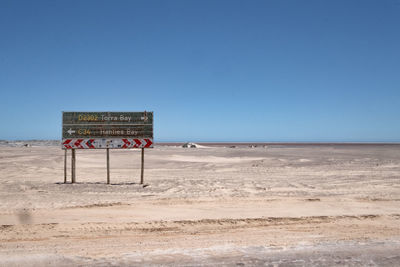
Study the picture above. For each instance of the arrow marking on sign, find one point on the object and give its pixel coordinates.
(126, 143)
(138, 143)
(66, 144)
(70, 131)
(148, 143)
(90, 143)
(78, 143)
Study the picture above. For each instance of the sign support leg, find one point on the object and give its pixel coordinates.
(73, 166)
(142, 169)
(65, 166)
(108, 166)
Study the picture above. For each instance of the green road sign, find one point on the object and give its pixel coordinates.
(107, 125)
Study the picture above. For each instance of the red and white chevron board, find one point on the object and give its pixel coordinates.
(92, 143)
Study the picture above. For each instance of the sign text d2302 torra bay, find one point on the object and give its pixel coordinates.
(89, 130)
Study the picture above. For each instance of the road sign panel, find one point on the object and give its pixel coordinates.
(86, 143)
(107, 130)
(107, 118)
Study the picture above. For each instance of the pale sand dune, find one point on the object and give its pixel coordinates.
(293, 205)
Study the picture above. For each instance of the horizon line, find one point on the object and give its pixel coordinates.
(242, 142)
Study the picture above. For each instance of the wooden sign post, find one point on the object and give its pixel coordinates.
(65, 166)
(73, 166)
(108, 166)
(142, 168)
(105, 130)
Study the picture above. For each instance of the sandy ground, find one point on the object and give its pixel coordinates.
(280, 205)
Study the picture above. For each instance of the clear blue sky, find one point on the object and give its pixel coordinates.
(210, 70)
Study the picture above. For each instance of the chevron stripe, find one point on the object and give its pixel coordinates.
(93, 143)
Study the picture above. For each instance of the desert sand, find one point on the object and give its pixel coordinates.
(274, 205)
